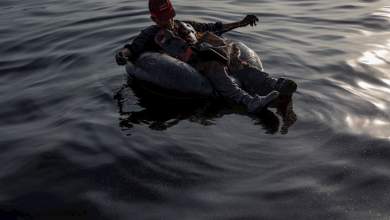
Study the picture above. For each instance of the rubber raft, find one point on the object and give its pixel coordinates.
(165, 73)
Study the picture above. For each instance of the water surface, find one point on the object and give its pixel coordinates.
(78, 143)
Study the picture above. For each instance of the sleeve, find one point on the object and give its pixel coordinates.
(204, 27)
(143, 42)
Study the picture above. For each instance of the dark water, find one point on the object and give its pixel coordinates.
(77, 143)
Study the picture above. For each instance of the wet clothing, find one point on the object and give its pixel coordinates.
(145, 41)
(173, 45)
(229, 88)
(218, 74)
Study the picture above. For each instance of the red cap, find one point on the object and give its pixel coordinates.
(161, 9)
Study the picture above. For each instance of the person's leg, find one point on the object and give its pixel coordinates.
(258, 82)
(230, 90)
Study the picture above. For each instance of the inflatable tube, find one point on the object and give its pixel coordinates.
(168, 73)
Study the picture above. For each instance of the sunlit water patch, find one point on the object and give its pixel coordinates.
(374, 61)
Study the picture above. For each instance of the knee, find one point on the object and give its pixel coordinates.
(285, 86)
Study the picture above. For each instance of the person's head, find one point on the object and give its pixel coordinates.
(162, 13)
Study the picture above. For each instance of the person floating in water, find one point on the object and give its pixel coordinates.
(200, 45)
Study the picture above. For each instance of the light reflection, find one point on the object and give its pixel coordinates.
(375, 127)
(380, 122)
(380, 53)
(373, 94)
(387, 81)
(366, 33)
(371, 87)
(384, 12)
(371, 58)
(377, 57)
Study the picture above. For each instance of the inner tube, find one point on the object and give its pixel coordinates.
(161, 72)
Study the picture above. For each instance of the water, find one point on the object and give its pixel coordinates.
(77, 143)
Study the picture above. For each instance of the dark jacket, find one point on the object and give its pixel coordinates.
(145, 40)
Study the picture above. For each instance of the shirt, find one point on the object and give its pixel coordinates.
(145, 40)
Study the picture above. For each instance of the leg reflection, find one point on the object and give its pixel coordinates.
(137, 108)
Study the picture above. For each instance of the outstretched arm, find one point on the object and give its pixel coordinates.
(220, 28)
(248, 20)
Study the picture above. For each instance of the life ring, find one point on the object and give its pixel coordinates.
(158, 70)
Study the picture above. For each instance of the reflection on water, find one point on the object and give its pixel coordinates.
(378, 127)
(384, 12)
(67, 158)
(376, 57)
(380, 55)
(161, 113)
(378, 99)
(387, 81)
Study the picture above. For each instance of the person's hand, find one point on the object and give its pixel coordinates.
(250, 20)
(122, 56)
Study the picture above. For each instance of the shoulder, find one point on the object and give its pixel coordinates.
(150, 29)
(185, 21)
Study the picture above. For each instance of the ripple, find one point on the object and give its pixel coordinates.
(75, 145)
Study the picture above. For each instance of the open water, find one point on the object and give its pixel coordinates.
(77, 143)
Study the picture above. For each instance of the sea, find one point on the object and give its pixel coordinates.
(78, 142)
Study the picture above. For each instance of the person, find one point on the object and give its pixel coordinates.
(153, 39)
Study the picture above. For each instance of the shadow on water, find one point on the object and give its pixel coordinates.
(161, 112)
(12, 214)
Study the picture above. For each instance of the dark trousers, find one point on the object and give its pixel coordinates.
(232, 89)
(255, 81)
